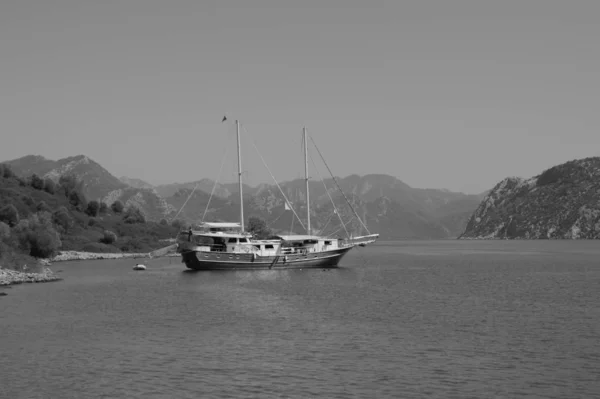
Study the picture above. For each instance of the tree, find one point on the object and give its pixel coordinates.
(117, 206)
(163, 222)
(258, 227)
(109, 237)
(37, 237)
(93, 207)
(9, 215)
(77, 200)
(69, 183)
(62, 219)
(37, 182)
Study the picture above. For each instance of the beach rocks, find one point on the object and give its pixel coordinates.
(74, 255)
(8, 277)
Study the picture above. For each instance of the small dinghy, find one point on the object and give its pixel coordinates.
(139, 267)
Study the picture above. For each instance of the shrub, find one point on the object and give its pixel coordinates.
(42, 207)
(4, 231)
(6, 171)
(103, 208)
(9, 215)
(37, 237)
(37, 182)
(27, 200)
(178, 223)
(258, 227)
(80, 219)
(98, 247)
(109, 237)
(77, 200)
(62, 219)
(549, 176)
(93, 208)
(49, 186)
(9, 258)
(70, 183)
(134, 215)
(117, 206)
(163, 222)
(132, 244)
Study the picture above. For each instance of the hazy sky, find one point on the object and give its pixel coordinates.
(441, 94)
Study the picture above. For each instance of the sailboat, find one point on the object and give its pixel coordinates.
(227, 246)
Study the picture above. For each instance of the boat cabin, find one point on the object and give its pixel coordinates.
(223, 237)
(223, 227)
(306, 244)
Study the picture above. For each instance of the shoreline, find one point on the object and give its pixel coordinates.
(10, 277)
(66, 256)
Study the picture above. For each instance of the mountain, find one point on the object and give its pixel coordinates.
(385, 203)
(97, 180)
(135, 183)
(204, 185)
(98, 183)
(561, 202)
(31, 164)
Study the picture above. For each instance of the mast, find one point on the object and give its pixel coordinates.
(306, 178)
(237, 125)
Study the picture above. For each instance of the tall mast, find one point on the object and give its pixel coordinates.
(306, 178)
(237, 125)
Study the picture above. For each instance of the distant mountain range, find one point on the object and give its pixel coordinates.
(386, 204)
(561, 202)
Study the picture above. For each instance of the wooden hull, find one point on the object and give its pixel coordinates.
(197, 260)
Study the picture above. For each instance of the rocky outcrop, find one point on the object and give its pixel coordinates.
(563, 202)
(9, 277)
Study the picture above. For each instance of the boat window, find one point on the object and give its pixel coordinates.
(243, 240)
(204, 240)
(327, 242)
(232, 240)
(257, 246)
(269, 246)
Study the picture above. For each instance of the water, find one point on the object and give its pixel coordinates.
(442, 319)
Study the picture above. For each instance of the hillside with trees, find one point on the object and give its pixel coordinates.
(562, 202)
(41, 216)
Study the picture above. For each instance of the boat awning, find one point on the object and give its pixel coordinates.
(221, 225)
(222, 234)
(302, 238)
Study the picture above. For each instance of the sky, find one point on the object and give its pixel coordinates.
(441, 94)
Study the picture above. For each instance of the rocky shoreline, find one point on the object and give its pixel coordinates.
(10, 277)
(64, 256)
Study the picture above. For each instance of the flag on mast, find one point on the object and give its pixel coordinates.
(287, 207)
(224, 119)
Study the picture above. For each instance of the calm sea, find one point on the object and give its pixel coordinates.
(416, 319)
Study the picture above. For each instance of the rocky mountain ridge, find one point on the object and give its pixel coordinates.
(385, 203)
(563, 202)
